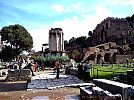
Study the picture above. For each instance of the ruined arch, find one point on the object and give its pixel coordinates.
(91, 58)
(114, 57)
(107, 57)
(120, 50)
(99, 58)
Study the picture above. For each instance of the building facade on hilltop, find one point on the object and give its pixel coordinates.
(111, 29)
(56, 43)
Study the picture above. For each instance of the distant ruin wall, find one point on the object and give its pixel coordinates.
(110, 29)
(123, 58)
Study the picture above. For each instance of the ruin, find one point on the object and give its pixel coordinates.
(18, 75)
(56, 39)
(102, 53)
(111, 29)
(112, 39)
(56, 43)
(106, 53)
(107, 90)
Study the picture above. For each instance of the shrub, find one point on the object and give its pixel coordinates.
(49, 61)
(40, 60)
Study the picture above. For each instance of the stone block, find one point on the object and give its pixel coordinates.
(13, 72)
(86, 94)
(96, 93)
(113, 87)
(25, 72)
(17, 72)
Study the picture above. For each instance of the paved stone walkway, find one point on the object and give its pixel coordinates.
(48, 81)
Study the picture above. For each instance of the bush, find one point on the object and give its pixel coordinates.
(49, 61)
(39, 59)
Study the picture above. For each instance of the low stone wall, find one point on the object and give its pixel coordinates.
(71, 71)
(122, 58)
(18, 75)
(114, 87)
(96, 93)
(16, 72)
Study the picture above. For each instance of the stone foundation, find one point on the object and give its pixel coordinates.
(114, 87)
(96, 93)
(18, 75)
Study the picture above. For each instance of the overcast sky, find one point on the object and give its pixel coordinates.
(75, 17)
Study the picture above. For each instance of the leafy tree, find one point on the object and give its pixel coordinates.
(54, 58)
(17, 37)
(39, 59)
(81, 40)
(90, 33)
(76, 55)
(130, 19)
(50, 61)
(66, 43)
(72, 40)
(6, 54)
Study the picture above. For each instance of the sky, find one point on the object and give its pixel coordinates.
(75, 17)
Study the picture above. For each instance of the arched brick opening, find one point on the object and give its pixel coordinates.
(99, 58)
(91, 58)
(107, 57)
(114, 58)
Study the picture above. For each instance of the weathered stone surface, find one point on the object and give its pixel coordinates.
(13, 72)
(25, 72)
(45, 81)
(114, 87)
(40, 98)
(90, 92)
(17, 78)
(16, 72)
(18, 75)
(112, 29)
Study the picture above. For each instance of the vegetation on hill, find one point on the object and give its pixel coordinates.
(75, 47)
(130, 18)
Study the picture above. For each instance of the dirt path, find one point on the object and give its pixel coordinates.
(56, 94)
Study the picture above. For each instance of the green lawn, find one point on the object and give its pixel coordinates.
(107, 71)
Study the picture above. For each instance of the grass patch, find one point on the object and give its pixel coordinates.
(108, 71)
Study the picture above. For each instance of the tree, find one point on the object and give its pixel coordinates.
(130, 19)
(76, 55)
(6, 54)
(66, 43)
(72, 40)
(90, 33)
(50, 61)
(17, 37)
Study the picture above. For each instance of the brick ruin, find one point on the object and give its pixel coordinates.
(109, 39)
(102, 53)
(117, 30)
(106, 53)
